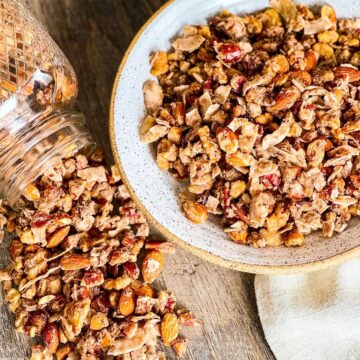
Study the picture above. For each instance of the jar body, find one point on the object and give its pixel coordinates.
(31, 142)
(37, 89)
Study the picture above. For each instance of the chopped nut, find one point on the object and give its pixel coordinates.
(170, 327)
(152, 266)
(74, 273)
(195, 212)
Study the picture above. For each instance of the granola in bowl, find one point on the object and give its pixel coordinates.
(258, 113)
(83, 267)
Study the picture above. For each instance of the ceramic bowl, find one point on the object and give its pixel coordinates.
(155, 192)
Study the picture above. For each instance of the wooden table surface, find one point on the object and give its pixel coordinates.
(94, 34)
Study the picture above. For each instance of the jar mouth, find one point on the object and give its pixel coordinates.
(39, 146)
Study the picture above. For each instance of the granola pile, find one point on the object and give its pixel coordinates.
(260, 114)
(83, 266)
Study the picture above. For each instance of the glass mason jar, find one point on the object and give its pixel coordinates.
(38, 87)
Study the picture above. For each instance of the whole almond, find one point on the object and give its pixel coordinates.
(58, 236)
(170, 327)
(74, 262)
(343, 71)
(152, 266)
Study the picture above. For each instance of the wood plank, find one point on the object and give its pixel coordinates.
(94, 34)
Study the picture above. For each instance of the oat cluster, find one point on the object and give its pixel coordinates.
(83, 266)
(260, 115)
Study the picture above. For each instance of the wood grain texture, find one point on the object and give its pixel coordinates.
(94, 34)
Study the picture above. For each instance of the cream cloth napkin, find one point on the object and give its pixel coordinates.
(313, 316)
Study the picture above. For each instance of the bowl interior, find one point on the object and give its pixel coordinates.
(156, 191)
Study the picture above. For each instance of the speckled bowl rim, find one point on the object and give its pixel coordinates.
(201, 253)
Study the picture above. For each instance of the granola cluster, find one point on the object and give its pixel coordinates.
(260, 114)
(82, 269)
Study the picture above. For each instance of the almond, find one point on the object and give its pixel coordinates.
(344, 71)
(127, 301)
(285, 100)
(170, 327)
(310, 60)
(74, 262)
(152, 266)
(58, 236)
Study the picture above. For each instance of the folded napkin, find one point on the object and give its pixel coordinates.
(313, 316)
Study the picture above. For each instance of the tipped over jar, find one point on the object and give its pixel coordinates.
(38, 87)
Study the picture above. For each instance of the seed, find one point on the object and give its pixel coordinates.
(127, 301)
(187, 319)
(152, 266)
(170, 328)
(195, 212)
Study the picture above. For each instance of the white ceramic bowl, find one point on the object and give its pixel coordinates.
(155, 192)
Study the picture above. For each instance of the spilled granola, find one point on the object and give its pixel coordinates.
(260, 114)
(83, 266)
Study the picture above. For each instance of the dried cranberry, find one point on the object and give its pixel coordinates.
(208, 84)
(271, 181)
(170, 305)
(131, 269)
(239, 83)
(230, 52)
(128, 239)
(226, 195)
(326, 170)
(101, 303)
